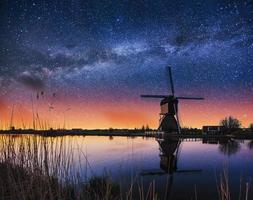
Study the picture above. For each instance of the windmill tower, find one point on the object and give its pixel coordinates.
(169, 120)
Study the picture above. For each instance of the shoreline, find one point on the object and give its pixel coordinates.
(127, 133)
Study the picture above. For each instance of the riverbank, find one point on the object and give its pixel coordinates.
(195, 133)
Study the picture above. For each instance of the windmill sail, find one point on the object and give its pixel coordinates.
(169, 108)
(190, 98)
(171, 82)
(153, 96)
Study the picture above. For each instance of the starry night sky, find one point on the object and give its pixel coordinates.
(88, 61)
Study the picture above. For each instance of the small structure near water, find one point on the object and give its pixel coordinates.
(213, 130)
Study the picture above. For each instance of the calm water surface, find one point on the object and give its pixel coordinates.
(199, 164)
(194, 165)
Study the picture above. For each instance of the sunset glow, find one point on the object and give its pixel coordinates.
(103, 115)
(85, 65)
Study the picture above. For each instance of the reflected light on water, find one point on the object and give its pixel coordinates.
(125, 157)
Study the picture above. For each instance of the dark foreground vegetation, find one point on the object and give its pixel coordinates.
(40, 168)
(19, 183)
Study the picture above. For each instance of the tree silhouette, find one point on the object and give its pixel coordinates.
(251, 126)
(230, 123)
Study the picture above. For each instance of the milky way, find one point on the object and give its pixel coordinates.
(112, 51)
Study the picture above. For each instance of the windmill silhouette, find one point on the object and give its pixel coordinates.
(169, 120)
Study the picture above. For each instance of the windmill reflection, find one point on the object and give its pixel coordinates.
(169, 151)
(169, 155)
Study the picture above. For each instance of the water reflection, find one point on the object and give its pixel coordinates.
(250, 144)
(169, 162)
(227, 146)
(169, 155)
(230, 147)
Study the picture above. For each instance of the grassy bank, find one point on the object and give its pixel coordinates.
(194, 133)
(43, 168)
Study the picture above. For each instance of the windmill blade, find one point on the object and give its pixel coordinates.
(179, 149)
(190, 98)
(178, 123)
(171, 82)
(153, 96)
(152, 172)
(189, 171)
(180, 118)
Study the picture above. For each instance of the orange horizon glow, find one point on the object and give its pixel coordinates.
(124, 114)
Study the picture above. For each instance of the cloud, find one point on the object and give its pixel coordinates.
(128, 49)
(31, 81)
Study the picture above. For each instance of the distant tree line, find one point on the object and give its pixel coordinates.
(145, 128)
(231, 123)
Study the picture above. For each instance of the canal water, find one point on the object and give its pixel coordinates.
(194, 168)
(188, 169)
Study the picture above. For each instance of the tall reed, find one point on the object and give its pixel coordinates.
(40, 168)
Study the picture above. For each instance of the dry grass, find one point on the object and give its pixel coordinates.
(35, 167)
(40, 168)
(224, 188)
